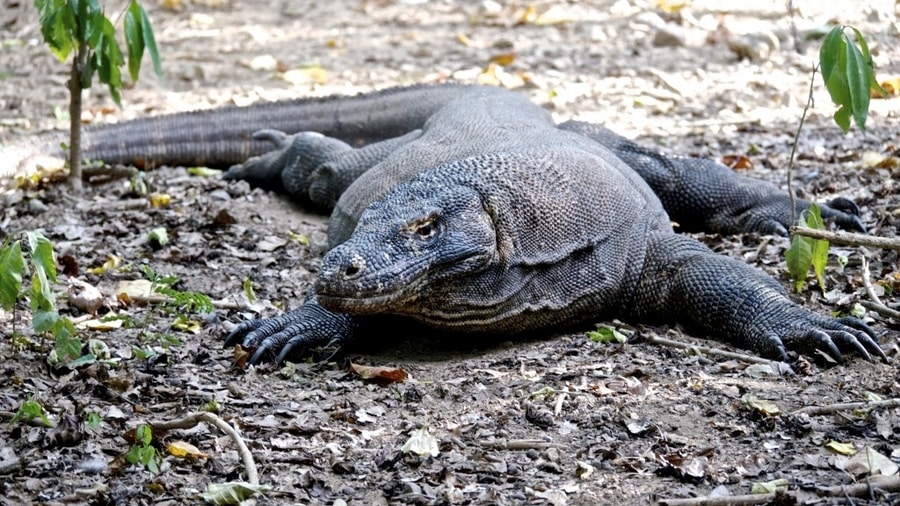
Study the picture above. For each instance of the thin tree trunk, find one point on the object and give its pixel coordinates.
(75, 118)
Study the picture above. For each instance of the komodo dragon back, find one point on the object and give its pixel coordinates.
(223, 136)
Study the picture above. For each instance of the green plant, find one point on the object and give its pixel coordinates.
(80, 26)
(142, 452)
(30, 410)
(849, 75)
(45, 316)
(179, 301)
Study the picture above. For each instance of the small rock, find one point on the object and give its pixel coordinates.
(669, 35)
(753, 46)
(37, 206)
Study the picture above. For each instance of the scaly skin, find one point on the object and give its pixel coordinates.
(469, 210)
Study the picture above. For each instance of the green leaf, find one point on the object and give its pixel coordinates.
(819, 246)
(867, 56)
(42, 254)
(606, 335)
(138, 37)
(849, 74)
(159, 236)
(30, 410)
(57, 26)
(806, 252)
(12, 265)
(41, 295)
(134, 39)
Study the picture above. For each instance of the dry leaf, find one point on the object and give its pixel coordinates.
(183, 449)
(890, 86)
(159, 199)
(763, 406)
(112, 262)
(869, 461)
(307, 75)
(379, 374)
(503, 59)
(555, 15)
(422, 443)
(841, 448)
(84, 296)
(737, 162)
(241, 356)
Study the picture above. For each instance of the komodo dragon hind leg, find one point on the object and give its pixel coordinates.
(703, 195)
(294, 333)
(312, 169)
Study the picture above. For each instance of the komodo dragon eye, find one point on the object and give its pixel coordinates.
(424, 229)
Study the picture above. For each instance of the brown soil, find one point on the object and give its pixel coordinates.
(556, 421)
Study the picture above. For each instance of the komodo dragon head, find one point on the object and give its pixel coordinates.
(418, 240)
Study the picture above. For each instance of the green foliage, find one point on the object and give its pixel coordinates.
(45, 316)
(12, 265)
(185, 301)
(92, 419)
(607, 335)
(158, 236)
(806, 252)
(80, 25)
(849, 74)
(30, 410)
(142, 452)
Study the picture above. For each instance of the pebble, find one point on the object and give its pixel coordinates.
(37, 206)
(669, 35)
(753, 46)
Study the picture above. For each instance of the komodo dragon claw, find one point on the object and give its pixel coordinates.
(291, 334)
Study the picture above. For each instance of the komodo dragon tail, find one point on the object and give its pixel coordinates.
(224, 136)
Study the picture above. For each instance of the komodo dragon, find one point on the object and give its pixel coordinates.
(467, 209)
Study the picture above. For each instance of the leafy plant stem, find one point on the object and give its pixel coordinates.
(790, 169)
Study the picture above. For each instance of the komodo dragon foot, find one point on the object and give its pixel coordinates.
(293, 333)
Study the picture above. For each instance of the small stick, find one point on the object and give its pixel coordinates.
(831, 409)
(160, 299)
(193, 419)
(876, 304)
(520, 444)
(727, 500)
(883, 310)
(882, 483)
(849, 238)
(777, 365)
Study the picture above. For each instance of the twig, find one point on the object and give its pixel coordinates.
(195, 418)
(882, 310)
(875, 304)
(849, 238)
(846, 406)
(776, 364)
(160, 299)
(729, 500)
(877, 483)
(520, 444)
(867, 283)
(882, 483)
(790, 167)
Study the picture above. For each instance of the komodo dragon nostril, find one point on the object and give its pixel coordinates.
(354, 267)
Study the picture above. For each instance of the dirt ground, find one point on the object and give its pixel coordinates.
(558, 421)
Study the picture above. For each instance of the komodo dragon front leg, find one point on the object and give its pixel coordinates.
(312, 169)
